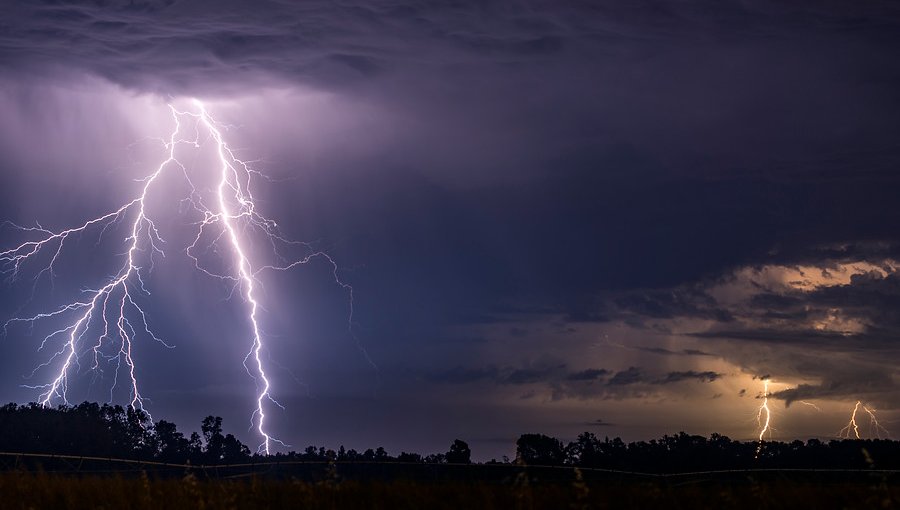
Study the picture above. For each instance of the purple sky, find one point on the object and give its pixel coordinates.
(556, 216)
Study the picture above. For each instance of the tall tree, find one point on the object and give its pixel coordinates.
(459, 453)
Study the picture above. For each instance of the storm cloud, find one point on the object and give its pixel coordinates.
(173, 47)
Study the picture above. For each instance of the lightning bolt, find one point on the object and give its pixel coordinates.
(852, 427)
(876, 427)
(106, 317)
(810, 404)
(763, 416)
(120, 288)
(851, 431)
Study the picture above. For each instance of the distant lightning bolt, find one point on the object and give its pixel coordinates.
(113, 306)
(876, 427)
(851, 431)
(852, 427)
(810, 404)
(763, 416)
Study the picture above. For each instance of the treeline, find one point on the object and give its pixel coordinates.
(94, 430)
(108, 431)
(684, 452)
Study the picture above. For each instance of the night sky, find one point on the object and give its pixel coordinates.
(556, 216)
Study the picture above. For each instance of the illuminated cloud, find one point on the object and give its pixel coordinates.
(830, 322)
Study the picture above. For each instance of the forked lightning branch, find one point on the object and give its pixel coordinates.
(103, 324)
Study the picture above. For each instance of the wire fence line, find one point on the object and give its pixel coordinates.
(213, 469)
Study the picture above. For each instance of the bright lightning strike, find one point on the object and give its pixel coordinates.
(851, 431)
(102, 323)
(763, 416)
(852, 427)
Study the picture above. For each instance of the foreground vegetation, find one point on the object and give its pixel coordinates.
(38, 491)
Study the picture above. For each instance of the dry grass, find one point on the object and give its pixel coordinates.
(19, 490)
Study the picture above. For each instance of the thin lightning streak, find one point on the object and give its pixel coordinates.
(873, 423)
(112, 308)
(810, 404)
(763, 416)
(339, 282)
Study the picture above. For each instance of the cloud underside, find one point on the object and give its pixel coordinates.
(831, 320)
(564, 382)
(831, 323)
(177, 47)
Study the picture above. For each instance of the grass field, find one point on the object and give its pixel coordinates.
(28, 490)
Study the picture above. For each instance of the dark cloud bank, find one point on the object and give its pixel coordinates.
(573, 164)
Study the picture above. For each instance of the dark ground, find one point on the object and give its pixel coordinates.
(521, 489)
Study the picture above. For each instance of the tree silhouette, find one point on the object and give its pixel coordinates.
(108, 431)
(215, 441)
(585, 450)
(540, 450)
(410, 457)
(171, 445)
(459, 453)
